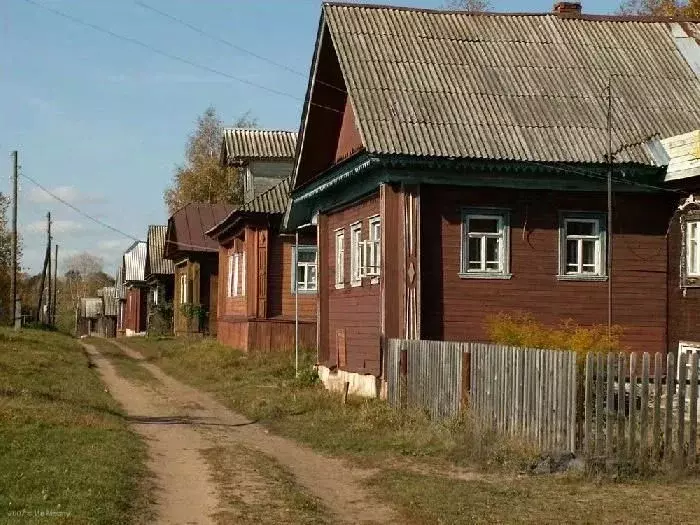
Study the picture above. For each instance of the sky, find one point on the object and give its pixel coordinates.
(102, 122)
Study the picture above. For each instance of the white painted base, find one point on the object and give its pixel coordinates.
(360, 384)
(131, 333)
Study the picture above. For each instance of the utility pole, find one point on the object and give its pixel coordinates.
(13, 286)
(47, 258)
(49, 294)
(55, 286)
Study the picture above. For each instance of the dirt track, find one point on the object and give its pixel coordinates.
(181, 423)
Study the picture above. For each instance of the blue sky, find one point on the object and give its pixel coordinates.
(103, 122)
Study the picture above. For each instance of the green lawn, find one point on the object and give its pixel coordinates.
(66, 454)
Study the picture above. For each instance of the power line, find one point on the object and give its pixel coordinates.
(78, 210)
(231, 44)
(171, 56)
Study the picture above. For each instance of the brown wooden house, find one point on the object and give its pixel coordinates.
(136, 290)
(456, 165)
(160, 279)
(196, 266)
(259, 307)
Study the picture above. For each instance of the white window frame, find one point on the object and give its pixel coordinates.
(503, 236)
(340, 258)
(356, 254)
(692, 248)
(371, 256)
(184, 285)
(155, 296)
(600, 239)
(236, 275)
(307, 286)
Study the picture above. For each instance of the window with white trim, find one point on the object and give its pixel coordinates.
(184, 292)
(156, 294)
(371, 257)
(305, 277)
(340, 258)
(692, 248)
(582, 246)
(236, 275)
(485, 243)
(356, 254)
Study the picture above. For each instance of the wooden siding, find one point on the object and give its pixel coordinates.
(351, 312)
(349, 140)
(202, 271)
(135, 311)
(229, 306)
(683, 302)
(282, 300)
(457, 309)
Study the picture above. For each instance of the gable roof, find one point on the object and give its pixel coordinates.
(683, 154)
(509, 86)
(187, 227)
(274, 201)
(246, 144)
(135, 263)
(157, 265)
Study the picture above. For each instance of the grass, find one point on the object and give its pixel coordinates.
(66, 454)
(257, 489)
(126, 367)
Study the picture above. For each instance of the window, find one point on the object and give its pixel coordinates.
(236, 275)
(305, 277)
(372, 250)
(356, 254)
(582, 246)
(485, 244)
(184, 292)
(340, 258)
(155, 296)
(692, 248)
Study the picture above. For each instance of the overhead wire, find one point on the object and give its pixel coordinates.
(174, 57)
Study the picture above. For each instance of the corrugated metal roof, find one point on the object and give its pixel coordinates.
(157, 265)
(90, 307)
(240, 143)
(135, 263)
(119, 281)
(512, 87)
(109, 300)
(272, 201)
(684, 156)
(187, 228)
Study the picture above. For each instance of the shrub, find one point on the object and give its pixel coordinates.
(524, 330)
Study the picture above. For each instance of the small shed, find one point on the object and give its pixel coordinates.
(88, 314)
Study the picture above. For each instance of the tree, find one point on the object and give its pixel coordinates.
(477, 6)
(682, 8)
(84, 276)
(202, 178)
(5, 261)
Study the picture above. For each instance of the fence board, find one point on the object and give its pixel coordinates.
(632, 419)
(644, 409)
(621, 379)
(693, 423)
(670, 393)
(656, 426)
(610, 414)
(599, 385)
(682, 371)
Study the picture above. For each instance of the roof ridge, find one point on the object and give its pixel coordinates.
(260, 130)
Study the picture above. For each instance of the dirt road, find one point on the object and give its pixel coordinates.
(214, 466)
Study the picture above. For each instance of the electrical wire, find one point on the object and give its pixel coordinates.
(76, 209)
(171, 56)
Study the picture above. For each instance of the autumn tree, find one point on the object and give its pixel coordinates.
(5, 261)
(467, 5)
(84, 276)
(681, 8)
(201, 178)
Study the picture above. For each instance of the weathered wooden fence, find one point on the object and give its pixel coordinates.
(526, 392)
(634, 415)
(617, 407)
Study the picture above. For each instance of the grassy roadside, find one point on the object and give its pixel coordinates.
(432, 472)
(66, 455)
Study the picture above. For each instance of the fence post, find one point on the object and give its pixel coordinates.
(403, 379)
(588, 408)
(670, 393)
(658, 390)
(621, 381)
(644, 414)
(633, 406)
(466, 377)
(682, 371)
(599, 384)
(573, 400)
(693, 424)
(609, 406)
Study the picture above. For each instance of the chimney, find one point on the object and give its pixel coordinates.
(568, 8)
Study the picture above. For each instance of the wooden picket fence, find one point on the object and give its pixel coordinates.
(606, 408)
(636, 415)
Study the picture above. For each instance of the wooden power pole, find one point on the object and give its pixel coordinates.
(47, 259)
(13, 285)
(55, 286)
(49, 293)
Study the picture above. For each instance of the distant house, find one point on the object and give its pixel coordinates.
(456, 165)
(88, 314)
(196, 265)
(263, 157)
(120, 296)
(268, 287)
(136, 289)
(160, 279)
(107, 322)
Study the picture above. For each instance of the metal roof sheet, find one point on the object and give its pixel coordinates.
(90, 307)
(157, 265)
(683, 152)
(513, 87)
(240, 143)
(135, 263)
(109, 300)
(119, 281)
(187, 228)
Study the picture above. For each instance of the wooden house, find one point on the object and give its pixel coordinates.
(269, 293)
(136, 290)
(87, 317)
(160, 277)
(456, 166)
(120, 297)
(195, 257)
(107, 321)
